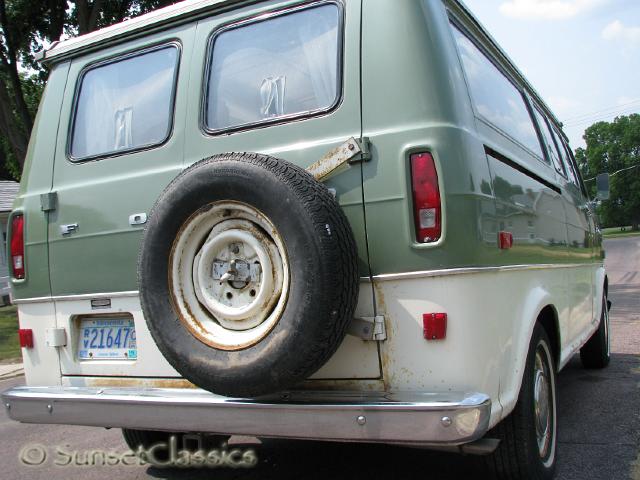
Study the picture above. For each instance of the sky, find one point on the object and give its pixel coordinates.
(581, 56)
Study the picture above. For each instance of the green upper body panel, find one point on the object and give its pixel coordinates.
(402, 85)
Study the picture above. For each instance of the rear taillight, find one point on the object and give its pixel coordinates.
(17, 246)
(427, 207)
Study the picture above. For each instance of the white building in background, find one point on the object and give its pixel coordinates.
(8, 192)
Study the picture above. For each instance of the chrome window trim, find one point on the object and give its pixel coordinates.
(549, 126)
(204, 93)
(173, 43)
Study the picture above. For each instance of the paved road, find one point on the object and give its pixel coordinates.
(599, 433)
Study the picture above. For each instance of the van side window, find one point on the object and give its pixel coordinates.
(496, 99)
(571, 161)
(125, 104)
(282, 67)
(565, 158)
(548, 140)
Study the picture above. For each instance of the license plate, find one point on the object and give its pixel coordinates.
(107, 339)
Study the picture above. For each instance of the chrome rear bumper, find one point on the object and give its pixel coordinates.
(401, 417)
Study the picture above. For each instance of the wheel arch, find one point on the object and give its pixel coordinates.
(548, 318)
(539, 307)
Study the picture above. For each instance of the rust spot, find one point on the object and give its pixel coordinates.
(190, 320)
(347, 384)
(139, 382)
(385, 348)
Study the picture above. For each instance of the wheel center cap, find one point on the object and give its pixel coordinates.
(237, 271)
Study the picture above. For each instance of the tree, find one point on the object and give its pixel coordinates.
(25, 26)
(613, 147)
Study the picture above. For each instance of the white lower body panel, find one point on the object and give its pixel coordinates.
(491, 313)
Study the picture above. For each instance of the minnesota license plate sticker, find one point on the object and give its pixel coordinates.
(107, 339)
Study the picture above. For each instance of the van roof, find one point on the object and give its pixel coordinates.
(189, 10)
(155, 20)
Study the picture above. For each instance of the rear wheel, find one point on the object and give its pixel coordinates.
(596, 353)
(527, 436)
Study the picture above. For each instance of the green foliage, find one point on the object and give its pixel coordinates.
(26, 26)
(9, 342)
(32, 86)
(612, 147)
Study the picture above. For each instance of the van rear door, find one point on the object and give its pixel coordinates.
(284, 79)
(120, 143)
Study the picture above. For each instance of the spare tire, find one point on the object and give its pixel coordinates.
(247, 274)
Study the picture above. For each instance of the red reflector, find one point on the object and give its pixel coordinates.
(17, 246)
(505, 240)
(435, 325)
(26, 337)
(427, 208)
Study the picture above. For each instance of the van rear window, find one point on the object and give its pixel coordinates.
(125, 104)
(496, 99)
(282, 67)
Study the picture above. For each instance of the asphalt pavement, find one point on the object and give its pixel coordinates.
(599, 424)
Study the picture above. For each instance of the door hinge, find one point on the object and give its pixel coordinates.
(48, 201)
(368, 328)
(340, 158)
(365, 150)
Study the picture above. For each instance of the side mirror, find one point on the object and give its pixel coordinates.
(602, 185)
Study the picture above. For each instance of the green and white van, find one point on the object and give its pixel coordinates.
(405, 253)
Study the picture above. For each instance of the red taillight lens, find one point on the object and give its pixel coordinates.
(26, 337)
(427, 207)
(17, 246)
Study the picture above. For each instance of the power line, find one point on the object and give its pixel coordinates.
(601, 111)
(632, 108)
(614, 173)
(626, 111)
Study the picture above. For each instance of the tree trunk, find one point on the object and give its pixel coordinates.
(88, 15)
(56, 27)
(10, 65)
(16, 137)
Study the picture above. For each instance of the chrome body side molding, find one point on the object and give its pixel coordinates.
(83, 296)
(472, 270)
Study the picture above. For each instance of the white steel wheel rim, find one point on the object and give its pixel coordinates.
(238, 309)
(607, 326)
(544, 404)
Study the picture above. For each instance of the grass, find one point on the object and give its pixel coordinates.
(619, 232)
(9, 343)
